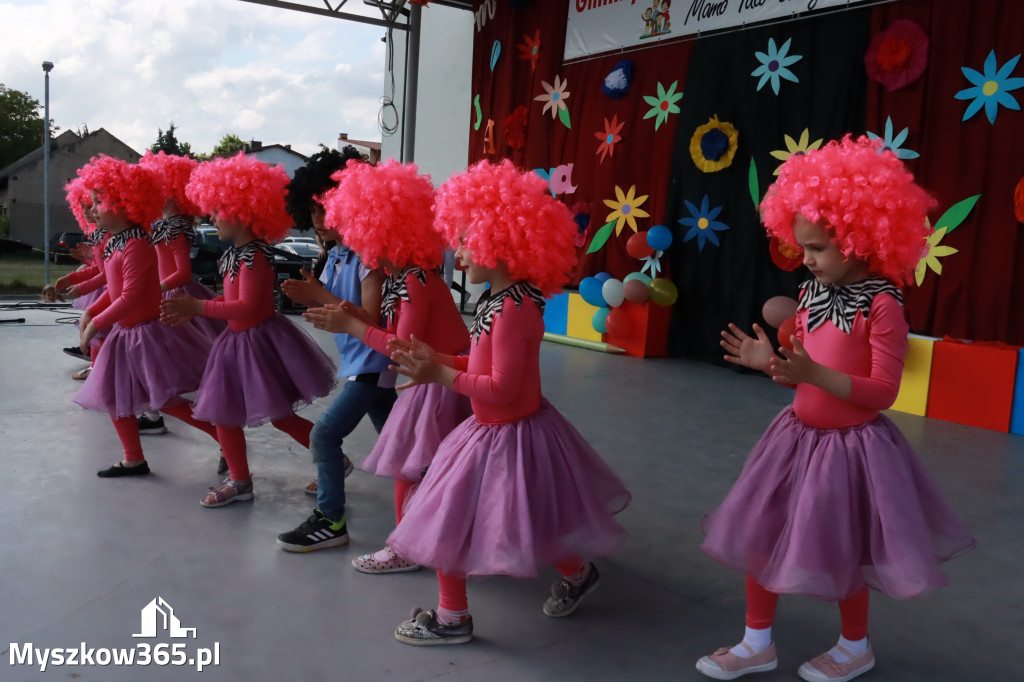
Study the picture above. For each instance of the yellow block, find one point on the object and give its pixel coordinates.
(917, 370)
(581, 319)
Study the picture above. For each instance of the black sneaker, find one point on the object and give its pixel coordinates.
(76, 352)
(119, 470)
(566, 597)
(222, 466)
(151, 427)
(423, 629)
(316, 532)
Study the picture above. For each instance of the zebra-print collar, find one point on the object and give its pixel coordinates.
(840, 304)
(166, 229)
(231, 262)
(490, 306)
(96, 236)
(396, 289)
(118, 241)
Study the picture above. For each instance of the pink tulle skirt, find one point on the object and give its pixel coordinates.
(86, 300)
(261, 374)
(828, 512)
(507, 499)
(421, 418)
(133, 372)
(209, 326)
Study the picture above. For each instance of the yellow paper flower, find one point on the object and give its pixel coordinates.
(935, 252)
(627, 209)
(792, 147)
(713, 145)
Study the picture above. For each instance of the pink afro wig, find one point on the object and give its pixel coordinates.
(385, 211)
(173, 172)
(243, 190)
(78, 196)
(505, 215)
(866, 197)
(124, 188)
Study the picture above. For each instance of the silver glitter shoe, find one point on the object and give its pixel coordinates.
(566, 597)
(423, 629)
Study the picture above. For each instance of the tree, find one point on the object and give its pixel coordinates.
(229, 145)
(166, 142)
(21, 126)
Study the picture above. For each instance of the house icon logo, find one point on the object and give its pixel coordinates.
(159, 615)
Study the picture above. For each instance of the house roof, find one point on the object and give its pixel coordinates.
(360, 143)
(282, 147)
(65, 139)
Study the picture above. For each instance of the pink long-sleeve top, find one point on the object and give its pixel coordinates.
(93, 277)
(871, 353)
(248, 287)
(133, 288)
(173, 238)
(424, 309)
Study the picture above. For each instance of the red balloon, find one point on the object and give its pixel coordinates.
(637, 246)
(617, 322)
(636, 291)
(786, 330)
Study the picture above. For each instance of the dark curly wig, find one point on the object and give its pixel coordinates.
(314, 179)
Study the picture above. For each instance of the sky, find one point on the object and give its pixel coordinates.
(210, 66)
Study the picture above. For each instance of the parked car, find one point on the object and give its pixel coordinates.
(61, 245)
(204, 255)
(287, 266)
(301, 249)
(299, 240)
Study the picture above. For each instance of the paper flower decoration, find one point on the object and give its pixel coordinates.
(1018, 201)
(785, 256)
(616, 83)
(515, 128)
(627, 209)
(530, 49)
(893, 144)
(897, 56)
(664, 104)
(609, 138)
(935, 252)
(713, 145)
(702, 223)
(992, 88)
(554, 100)
(793, 147)
(773, 65)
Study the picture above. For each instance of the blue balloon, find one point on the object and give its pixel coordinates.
(590, 290)
(602, 277)
(600, 320)
(659, 237)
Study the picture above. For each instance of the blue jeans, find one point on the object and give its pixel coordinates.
(332, 426)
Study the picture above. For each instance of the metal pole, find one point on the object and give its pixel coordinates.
(412, 51)
(47, 66)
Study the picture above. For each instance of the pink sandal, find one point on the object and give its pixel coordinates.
(230, 492)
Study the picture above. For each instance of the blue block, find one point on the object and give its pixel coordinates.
(556, 314)
(1017, 417)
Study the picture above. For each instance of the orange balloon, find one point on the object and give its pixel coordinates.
(786, 330)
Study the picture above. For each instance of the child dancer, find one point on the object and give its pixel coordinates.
(369, 386)
(263, 366)
(515, 486)
(384, 214)
(833, 499)
(132, 374)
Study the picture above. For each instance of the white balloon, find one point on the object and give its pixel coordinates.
(613, 292)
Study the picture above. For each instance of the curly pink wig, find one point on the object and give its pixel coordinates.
(866, 198)
(243, 190)
(385, 211)
(126, 189)
(78, 195)
(173, 172)
(505, 215)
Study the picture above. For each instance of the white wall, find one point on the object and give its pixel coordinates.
(276, 155)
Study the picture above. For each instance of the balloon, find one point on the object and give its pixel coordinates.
(643, 277)
(602, 277)
(590, 290)
(612, 290)
(663, 291)
(787, 329)
(659, 237)
(777, 309)
(618, 322)
(637, 246)
(599, 321)
(636, 291)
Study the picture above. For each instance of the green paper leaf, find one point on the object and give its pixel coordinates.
(601, 236)
(957, 213)
(479, 113)
(755, 185)
(563, 116)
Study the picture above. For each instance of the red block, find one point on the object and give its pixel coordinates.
(647, 335)
(972, 383)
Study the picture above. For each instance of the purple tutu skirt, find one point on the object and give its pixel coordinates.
(421, 418)
(143, 368)
(507, 499)
(828, 512)
(209, 326)
(262, 374)
(86, 300)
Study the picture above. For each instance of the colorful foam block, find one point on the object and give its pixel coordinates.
(1017, 418)
(973, 383)
(556, 314)
(580, 320)
(917, 370)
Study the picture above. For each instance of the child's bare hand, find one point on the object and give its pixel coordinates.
(332, 318)
(794, 367)
(88, 332)
(741, 349)
(305, 291)
(413, 347)
(420, 368)
(81, 252)
(357, 312)
(177, 311)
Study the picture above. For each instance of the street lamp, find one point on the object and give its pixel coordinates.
(47, 67)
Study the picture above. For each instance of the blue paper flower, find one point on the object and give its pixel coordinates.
(893, 144)
(991, 88)
(773, 65)
(702, 223)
